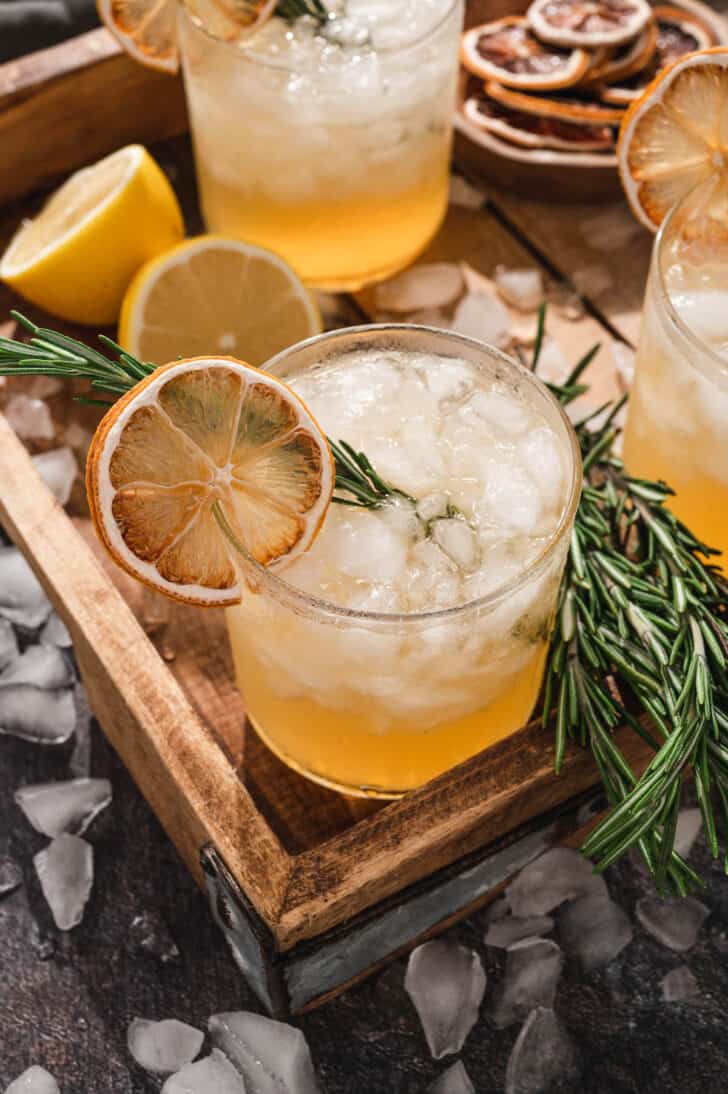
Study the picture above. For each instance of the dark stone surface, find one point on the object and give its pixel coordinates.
(66, 1000)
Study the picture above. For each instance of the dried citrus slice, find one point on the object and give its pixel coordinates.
(508, 51)
(196, 432)
(623, 61)
(675, 136)
(568, 108)
(531, 131)
(216, 295)
(588, 23)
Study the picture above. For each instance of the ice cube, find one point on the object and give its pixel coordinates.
(541, 454)
(623, 356)
(512, 500)
(533, 969)
(679, 984)
(213, 1075)
(450, 382)
(163, 1046)
(499, 909)
(432, 506)
(432, 285)
(521, 288)
(689, 824)
(464, 194)
(453, 1081)
(11, 876)
(558, 875)
(674, 923)
(77, 437)
(457, 539)
(401, 515)
(484, 317)
(36, 1080)
(42, 387)
(79, 763)
(22, 600)
(54, 808)
(505, 415)
(55, 633)
(446, 983)
(367, 547)
(542, 1055)
(272, 1057)
(8, 644)
(44, 717)
(66, 873)
(594, 929)
(553, 366)
(30, 418)
(58, 469)
(42, 667)
(149, 933)
(504, 932)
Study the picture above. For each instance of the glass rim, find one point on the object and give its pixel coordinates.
(270, 579)
(282, 66)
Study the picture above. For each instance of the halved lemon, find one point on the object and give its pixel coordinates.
(675, 136)
(77, 257)
(197, 432)
(216, 295)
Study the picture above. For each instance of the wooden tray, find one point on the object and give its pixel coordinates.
(312, 890)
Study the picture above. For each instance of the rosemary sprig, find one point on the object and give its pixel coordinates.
(294, 9)
(356, 476)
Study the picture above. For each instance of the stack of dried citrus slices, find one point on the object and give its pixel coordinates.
(561, 76)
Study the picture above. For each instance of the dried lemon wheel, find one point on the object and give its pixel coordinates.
(588, 23)
(675, 136)
(531, 131)
(194, 433)
(568, 106)
(508, 51)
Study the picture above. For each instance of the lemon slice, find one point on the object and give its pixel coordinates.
(77, 257)
(197, 432)
(675, 136)
(215, 295)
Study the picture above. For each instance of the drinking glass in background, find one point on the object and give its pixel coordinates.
(329, 145)
(677, 425)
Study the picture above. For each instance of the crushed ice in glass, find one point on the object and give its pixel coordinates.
(30, 418)
(272, 1057)
(149, 933)
(58, 807)
(542, 1055)
(453, 1081)
(58, 469)
(532, 972)
(163, 1046)
(213, 1075)
(523, 289)
(594, 929)
(11, 876)
(66, 872)
(36, 1080)
(558, 875)
(504, 932)
(679, 984)
(446, 983)
(22, 600)
(431, 285)
(674, 923)
(43, 667)
(43, 717)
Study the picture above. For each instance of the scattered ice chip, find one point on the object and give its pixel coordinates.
(679, 984)
(504, 932)
(213, 1075)
(272, 1057)
(542, 1055)
(22, 600)
(8, 644)
(553, 364)
(595, 930)
(565, 300)
(149, 933)
(66, 873)
(36, 1080)
(54, 808)
(77, 437)
(42, 667)
(446, 983)
(79, 763)
(623, 356)
(163, 1046)
(432, 285)
(485, 317)
(464, 194)
(44, 717)
(533, 969)
(689, 824)
(30, 418)
(11, 876)
(42, 387)
(458, 540)
(58, 469)
(674, 923)
(521, 288)
(453, 1081)
(55, 633)
(558, 875)
(499, 909)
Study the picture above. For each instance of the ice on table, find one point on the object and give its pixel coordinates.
(22, 600)
(69, 806)
(149, 933)
(11, 876)
(431, 285)
(532, 973)
(58, 469)
(44, 717)
(30, 418)
(542, 1055)
(446, 982)
(66, 873)
(41, 666)
(674, 923)
(558, 875)
(79, 763)
(504, 932)
(464, 194)
(213, 1075)
(689, 824)
(163, 1046)
(55, 633)
(272, 1057)
(453, 1081)
(594, 929)
(36, 1080)
(8, 644)
(521, 288)
(678, 985)
(483, 316)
